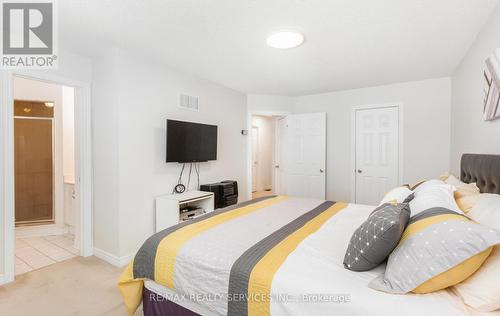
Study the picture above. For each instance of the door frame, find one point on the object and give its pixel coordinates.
(400, 107)
(277, 155)
(255, 180)
(83, 159)
(250, 114)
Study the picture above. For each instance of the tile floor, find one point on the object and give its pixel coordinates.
(33, 253)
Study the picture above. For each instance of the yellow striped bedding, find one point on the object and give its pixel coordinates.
(238, 250)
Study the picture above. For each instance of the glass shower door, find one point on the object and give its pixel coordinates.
(33, 144)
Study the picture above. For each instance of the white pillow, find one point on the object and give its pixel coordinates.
(486, 211)
(482, 290)
(454, 181)
(433, 193)
(397, 195)
(432, 183)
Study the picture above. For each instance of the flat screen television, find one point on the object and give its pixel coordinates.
(191, 142)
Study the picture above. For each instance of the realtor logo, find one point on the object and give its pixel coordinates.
(28, 35)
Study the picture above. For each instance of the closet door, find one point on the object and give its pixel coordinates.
(377, 153)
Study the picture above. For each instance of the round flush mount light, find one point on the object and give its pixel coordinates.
(285, 39)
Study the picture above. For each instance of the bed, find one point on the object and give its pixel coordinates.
(277, 256)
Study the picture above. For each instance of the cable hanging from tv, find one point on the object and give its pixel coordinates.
(181, 188)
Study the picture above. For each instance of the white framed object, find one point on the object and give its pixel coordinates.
(83, 162)
(168, 206)
(491, 109)
(400, 151)
(276, 114)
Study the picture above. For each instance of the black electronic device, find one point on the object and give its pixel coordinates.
(191, 142)
(225, 192)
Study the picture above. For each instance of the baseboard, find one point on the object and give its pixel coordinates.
(4, 280)
(112, 259)
(40, 231)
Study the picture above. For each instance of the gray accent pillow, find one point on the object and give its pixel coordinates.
(372, 243)
(409, 198)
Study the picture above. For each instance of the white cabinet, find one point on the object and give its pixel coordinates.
(168, 206)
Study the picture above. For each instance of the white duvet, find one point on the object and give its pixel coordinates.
(315, 269)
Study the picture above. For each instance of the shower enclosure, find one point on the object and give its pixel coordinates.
(34, 162)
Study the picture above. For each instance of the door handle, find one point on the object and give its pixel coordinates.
(277, 166)
(321, 170)
(360, 171)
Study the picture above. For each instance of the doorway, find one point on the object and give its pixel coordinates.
(302, 155)
(377, 152)
(44, 162)
(83, 164)
(263, 138)
(298, 164)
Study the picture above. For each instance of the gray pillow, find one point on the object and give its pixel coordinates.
(377, 237)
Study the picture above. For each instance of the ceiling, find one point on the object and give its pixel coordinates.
(349, 43)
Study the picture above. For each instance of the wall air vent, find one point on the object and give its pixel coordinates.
(188, 102)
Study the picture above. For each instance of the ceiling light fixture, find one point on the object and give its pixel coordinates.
(49, 104)
(285, 39)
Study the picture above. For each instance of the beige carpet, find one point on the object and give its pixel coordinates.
(258, 194)
(79, 286)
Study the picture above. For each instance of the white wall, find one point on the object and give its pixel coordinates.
(269, 104)
(470, 134)
(32, 90)
(105, 134)
(265, 126)
(73, 67)
(132, 101)
(426, 128)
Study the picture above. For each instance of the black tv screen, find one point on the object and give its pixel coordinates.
(191, 142)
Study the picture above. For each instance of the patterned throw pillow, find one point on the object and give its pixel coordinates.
(438, 249)
(375, 239)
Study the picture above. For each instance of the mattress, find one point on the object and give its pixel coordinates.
(311, 280)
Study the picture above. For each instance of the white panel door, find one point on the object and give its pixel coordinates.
(305, 158)
(280, 154)
(377, 153)
(255, 158)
